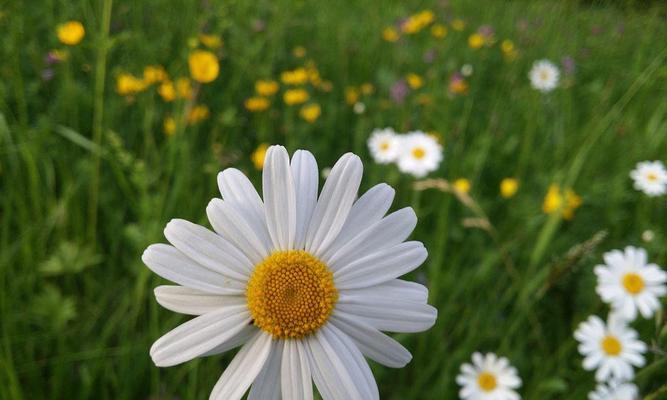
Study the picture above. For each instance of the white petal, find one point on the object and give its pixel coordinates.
(199, 335)
(243, 369)
(189, 301)
(237, 189)
(396, 289)
(305, 174)
(389, 315)
(390, 231)
(267, 383)
(249, 237)
(208, 249)
(295, 369)
(372, 343)
(279, 198)
(171, 264)
(381, 267)
(334, 204)
(245, 334)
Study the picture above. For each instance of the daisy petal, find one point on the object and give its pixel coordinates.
(388, 315)
(199, 335)
(279, 198)
(373, 344)
(334, 204)
(305, 174)
(185, 300)
(296, 379)
(171, 264)
(243, 336)
(396, 289)
(243, 369)
(237, 189)
(267, 384)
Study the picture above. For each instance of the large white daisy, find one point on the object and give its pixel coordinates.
(384, 145)
(489, 377)
(650, 177)
(420, 154)
(615, 391)
(611, 348)
(304, 284)
(544, 76)
(628, 283)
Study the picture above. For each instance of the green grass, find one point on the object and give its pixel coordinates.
(88, 179)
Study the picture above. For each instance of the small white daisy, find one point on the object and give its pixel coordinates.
(420, 154)
(384, 145)
(650, 177)
(615, 391)
(611, 348)
(489, 377)
(304, 284)
(628, 283)
(544, 75)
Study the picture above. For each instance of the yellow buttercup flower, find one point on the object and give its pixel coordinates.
(462, 185)
(204, 66)
(310, 112)
(508, 187)
(414, 81)
(458, 24)
(566, 204)
(438, 31)
(572, 202)
(351, 95)
(256, 104)
(257, 156)
(167, 91)
(128, 84)
(154, 74)
(169, 126)
(367, 88)
(198, 113)
(390, 34)
(298, 76)
(475, 41)
(266, 88)
(509, 50)
(71, 33)
(295, 96)
(184, 88)
(211, 41)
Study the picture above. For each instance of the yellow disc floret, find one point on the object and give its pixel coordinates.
(611, 346)
(633, 283)
(291, 294)
(487, 381)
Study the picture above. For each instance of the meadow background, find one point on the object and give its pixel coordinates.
(93, 165)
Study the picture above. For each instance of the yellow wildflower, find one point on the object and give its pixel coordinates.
(257, 156)
(256, 104)
(295, 96)
(367, 88)
(204, 66)
(509, 50)
(266, 88)
(438, 31)
(572, 202)
(169, 126)
(310, 112)
(198, 113)
(508, 187)
(210, 41)
(299, 52)
(167, 91)
(351, 95)
(414, 81)
(554, 201)
(298, 76)
(475, 41)
(458, 24)
(71, 33)
(184, 88)
(154, 74)
(390, 34)
(128, 84)
(462, 185)
(458, 86)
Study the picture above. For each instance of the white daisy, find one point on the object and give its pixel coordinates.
(611, 348)
(384, 145)
(544, 76)
(304, 285)
(489, 377)
(615, 391)
(628, 283)
(420, 154)
(650, 177)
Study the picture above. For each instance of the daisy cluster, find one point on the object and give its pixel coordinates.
(632, 287)
(416, 153)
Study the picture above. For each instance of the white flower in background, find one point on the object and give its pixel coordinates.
(384, 145)
(359, 107)
(489, 377)
(544, 75)
(466, 70)
(650, 177)
(611, 348)
(628, 283)
(304, 285)
(420, 154)
(615, 391)
(648, 236)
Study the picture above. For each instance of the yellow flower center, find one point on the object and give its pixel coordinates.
(611, 345)
(384, 146)
(291, 294)
(633, 283)
(486, 381)
(418, 153)
(652, 177)
(544, 75)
